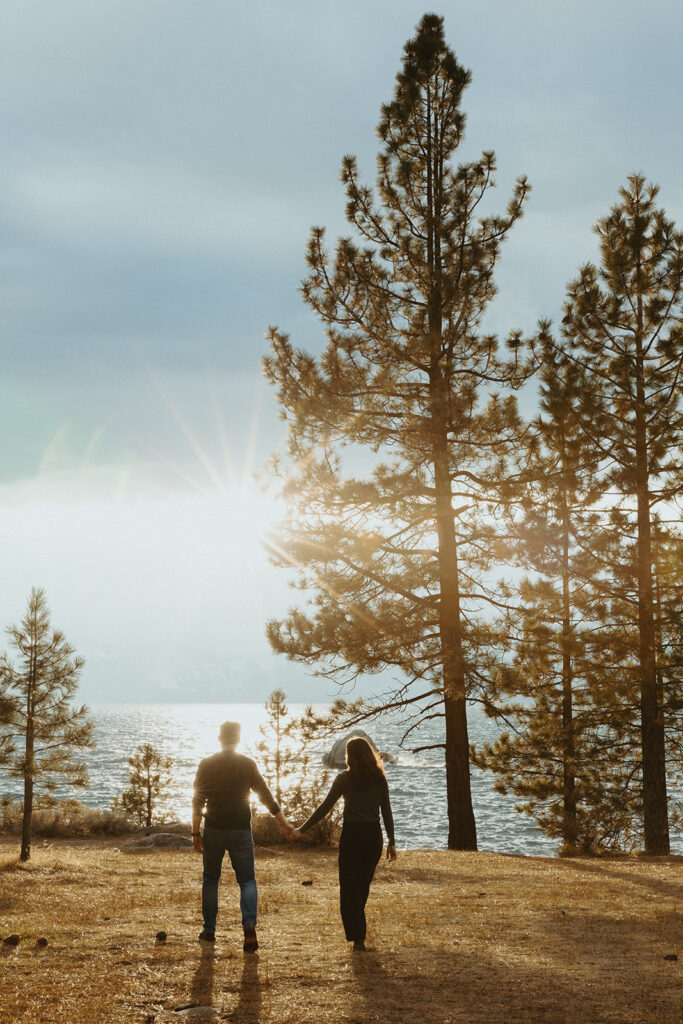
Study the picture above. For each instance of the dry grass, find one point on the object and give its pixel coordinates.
(62, 818)
(469, 938)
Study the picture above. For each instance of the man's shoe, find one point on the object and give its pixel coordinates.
(250, 941)
(205, 936)
(359, 946)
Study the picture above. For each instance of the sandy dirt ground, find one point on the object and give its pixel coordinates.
(453, 937)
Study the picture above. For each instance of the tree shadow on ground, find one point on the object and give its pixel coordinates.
(432, 876)
(545, 981)
(456, 988)
(618, 943)
(633, 877)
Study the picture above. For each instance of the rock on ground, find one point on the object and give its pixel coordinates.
(160, 841)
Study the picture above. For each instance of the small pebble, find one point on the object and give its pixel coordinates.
(42, 941)
(11, 940)
(310, 882)
(161, 936)
(668, 956)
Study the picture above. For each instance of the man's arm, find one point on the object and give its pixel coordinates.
(259, 786)
(198, 801)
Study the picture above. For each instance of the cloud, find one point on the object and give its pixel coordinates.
(110, 208)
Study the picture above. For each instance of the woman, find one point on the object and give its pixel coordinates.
(364, 788)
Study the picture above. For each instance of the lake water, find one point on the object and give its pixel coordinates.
(417, 782)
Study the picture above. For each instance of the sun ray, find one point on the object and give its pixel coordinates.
(222, 434)
(199, 451)
(179, 472)
(272, 545)
(254, 424)
(91, 447)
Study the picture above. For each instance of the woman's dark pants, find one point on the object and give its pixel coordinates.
(360, 848)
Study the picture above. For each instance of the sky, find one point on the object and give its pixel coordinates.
(163, 162)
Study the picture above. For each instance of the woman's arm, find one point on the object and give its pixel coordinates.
(336, 790)
(388, 819)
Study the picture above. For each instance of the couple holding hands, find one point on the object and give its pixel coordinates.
(222, 788)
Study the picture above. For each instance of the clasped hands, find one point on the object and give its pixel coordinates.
(289, 831)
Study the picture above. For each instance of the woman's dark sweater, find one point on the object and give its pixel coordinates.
(361, 803)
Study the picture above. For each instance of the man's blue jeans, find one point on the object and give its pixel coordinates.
(239, 845)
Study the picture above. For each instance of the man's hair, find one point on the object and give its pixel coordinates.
(229, 734)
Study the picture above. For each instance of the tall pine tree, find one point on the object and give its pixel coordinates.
(557, 750)
(399, 560)
(623, 321)
(45, 728)
(668, 597)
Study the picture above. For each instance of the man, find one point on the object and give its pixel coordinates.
(223, 784)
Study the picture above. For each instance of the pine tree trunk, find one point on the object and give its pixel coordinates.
(659, 640)
(278, 792)
(29, 765)
(26, 821)
(655, 815)
(655, 812)
(28, 791)
(569, 827)
(148, 822)
(462, 832)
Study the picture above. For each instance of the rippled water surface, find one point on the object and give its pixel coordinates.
(417, 783)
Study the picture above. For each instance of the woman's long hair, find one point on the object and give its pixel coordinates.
(363, 763)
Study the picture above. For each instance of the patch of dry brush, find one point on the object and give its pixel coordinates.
(454, 937)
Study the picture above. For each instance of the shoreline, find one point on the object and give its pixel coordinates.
(114, 842)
